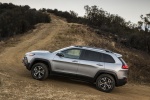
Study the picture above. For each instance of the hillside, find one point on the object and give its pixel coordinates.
(17, 83)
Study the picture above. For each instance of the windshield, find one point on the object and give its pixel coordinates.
(61, 49)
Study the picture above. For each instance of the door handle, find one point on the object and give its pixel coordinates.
(74, 61)
(99, 64)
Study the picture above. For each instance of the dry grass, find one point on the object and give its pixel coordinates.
(81, 35)
(16, 81)
(0, 82)
(138, 61)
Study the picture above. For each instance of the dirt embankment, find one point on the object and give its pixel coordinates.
(17, 83)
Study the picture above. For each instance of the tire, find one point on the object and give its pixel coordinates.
(39, 71)
(105, 83)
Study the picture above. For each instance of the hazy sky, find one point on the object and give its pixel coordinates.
(128, 9)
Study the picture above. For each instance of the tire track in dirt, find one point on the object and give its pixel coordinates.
(40, 37)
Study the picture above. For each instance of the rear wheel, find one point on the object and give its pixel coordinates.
(39, 71)
(105, 83)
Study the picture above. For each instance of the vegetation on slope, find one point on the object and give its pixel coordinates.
(78, 34)
(19, 19)
(128, 33)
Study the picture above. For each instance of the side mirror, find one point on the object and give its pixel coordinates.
(60, 54)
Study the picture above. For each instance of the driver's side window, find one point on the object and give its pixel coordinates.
(72, 53)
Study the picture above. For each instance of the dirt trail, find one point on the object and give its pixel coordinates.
(16, 81)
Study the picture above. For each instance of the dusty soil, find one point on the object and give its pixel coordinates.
(17, 83)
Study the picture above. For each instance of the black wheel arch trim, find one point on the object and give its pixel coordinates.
(113, 74)
(38, 60)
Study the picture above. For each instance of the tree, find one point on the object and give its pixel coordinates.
(145, 22)
(74, 14)
(19, 19)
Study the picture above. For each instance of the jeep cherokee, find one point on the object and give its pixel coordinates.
(102, 67)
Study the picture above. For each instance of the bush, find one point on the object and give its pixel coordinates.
(105, 22)
(19, 19)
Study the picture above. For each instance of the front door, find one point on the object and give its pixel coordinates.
(68, 63)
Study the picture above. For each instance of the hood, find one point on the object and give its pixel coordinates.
(40, 51)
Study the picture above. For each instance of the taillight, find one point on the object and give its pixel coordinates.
(124, 66)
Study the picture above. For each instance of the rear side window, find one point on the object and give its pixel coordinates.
(91, 56)
(108, 59)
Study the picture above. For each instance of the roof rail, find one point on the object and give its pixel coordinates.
(108, 51)
(96, 48)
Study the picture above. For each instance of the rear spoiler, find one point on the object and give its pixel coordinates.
(118, 55)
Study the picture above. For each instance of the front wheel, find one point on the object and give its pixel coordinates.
(105, 83)
(39, 71)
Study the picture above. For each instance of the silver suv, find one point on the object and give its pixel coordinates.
(102, 67)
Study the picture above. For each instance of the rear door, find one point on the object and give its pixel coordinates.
(90, 63)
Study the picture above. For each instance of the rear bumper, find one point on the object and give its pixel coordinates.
(121, 82)
(25, 62)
